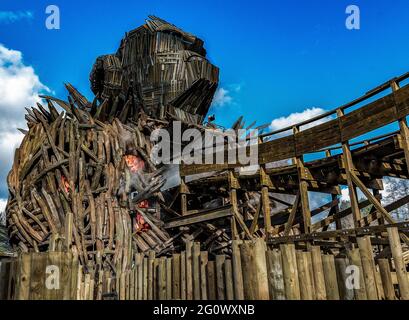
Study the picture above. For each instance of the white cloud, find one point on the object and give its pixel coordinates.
(222, 97)
(3, 203)
(13, 16)
(298, 117)
(19, 88)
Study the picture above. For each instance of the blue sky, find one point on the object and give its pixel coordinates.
(276, 57)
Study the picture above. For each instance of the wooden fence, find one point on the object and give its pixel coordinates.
(251, 272)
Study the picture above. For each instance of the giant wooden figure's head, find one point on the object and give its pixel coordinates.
(163, 66)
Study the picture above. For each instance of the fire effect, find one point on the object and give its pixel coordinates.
(134, 163)
(65, 184)
(140, 224)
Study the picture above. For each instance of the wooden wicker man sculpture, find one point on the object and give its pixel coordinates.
(79, 163)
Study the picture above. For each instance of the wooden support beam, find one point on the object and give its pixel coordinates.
(183, 196)
(291, 217)
(403, 126)
(376, 203)
(233, 186)
(303, 173)
(349, 167)
(400, 267)
(266, 183)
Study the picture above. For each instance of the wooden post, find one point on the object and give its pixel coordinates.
(386, 277)
(233, 186)
(203, 267)
(183, 196)
(151, 283)
(319, 280)
(341, 265)
(355, 260)
(132, 284)
(303, 175)
(237, 271)
(400, 267)
(368, 266)
(290, 272)
(145, 279)
(211, 280)
(169, 279)
(189, 276)
(228, 278)
(196, 270)
(220, 277)
(275, 275)
(403, 126)
(183, 275)
(24, 276)
(176, 276)
(141, 287)
(330, 275)
(266, 183)
(306, 287)
(349, 166)
(254, 266)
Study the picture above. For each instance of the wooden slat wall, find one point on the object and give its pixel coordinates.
(266, 273)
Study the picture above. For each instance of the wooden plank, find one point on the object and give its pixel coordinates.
(275, 275)
(161, 278)
(290, 272)
(319, 279)
(176, 294)
(122, 286)
(220, 259)
(75, 266)
(304, 276)
(132, 283)
(195, 218)
(140, 272)
(330, 275)
(189, 270)
(169, 279)
(237, 270)
(254, 269)
(211, 281)
(24, 276)
(196, 270)
(183, 275)
(311, 271)
(145, 281)
(228, 278)
(396, 248)
(150, 284)
(203, 267)
(37, 277)
(127, 284)
(386, 276)
(67, 270)
(368, 266)
(156, 279)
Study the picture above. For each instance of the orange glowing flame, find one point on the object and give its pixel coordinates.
(144, 204)
(140, 224)
(134, 163)
(65, 183)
